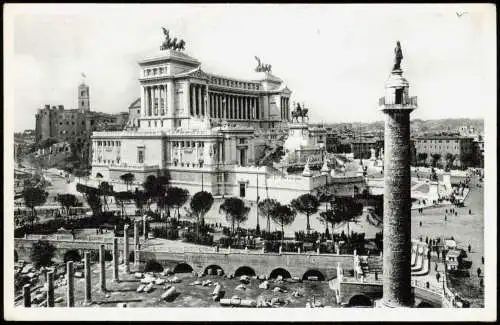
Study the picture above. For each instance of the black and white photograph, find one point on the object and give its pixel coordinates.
(314, 162)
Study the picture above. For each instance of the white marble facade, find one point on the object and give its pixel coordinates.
(193, 122)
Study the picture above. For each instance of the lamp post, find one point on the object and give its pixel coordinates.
(201, 167)
(257, 204)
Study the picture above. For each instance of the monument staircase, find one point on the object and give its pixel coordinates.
(374, 265)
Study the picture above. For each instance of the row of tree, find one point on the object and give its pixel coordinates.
(436, 158)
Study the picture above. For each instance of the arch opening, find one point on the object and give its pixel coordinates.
(153, 265)
(72, 255)
(183, 268)
(279, 271)
(244, 270)
(214, 270)
(360, 301)
(313, 275)
(424, 304)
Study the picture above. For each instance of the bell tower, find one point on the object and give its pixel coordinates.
(83, 98)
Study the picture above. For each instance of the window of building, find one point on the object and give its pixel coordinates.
(242, 189)
(138, 111)
(140, 155)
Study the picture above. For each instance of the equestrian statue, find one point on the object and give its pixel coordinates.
(300, 112)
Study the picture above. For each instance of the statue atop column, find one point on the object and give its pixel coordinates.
(398, 56)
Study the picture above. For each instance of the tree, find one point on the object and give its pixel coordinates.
(450, 158)
(306, 204)
(326, 217)
(140, 199)
(422, 157)
(34, 197)
(81, 173)
(42, 253)
(176, 198)
(127, 179)
(151, 189)
(105, 190)
(436, 157)
(122, 198)
(161, 186)
(67, 201)
(324, 196)
(265, 207)
(200, 204)
(346, 210)
(94, 201)
(235, 210)
(283, 215)
(92, 196)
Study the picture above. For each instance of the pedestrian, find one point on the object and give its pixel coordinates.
(456, 213)
(470, 211)
(446, 211)
(468, 248)
(478, 272)
(445, 218)
(420, 226)
(436, 267)
(482, 259)
(438, 276)
(481, 283)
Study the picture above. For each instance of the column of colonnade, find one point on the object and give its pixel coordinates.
(198, 106)
(285, 109)
(223, 106)
(154, 100)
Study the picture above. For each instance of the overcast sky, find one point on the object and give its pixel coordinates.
(334, 58)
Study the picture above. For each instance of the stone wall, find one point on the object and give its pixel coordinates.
(262, 264)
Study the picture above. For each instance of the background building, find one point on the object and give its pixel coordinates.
(75, 126)
(437, 149)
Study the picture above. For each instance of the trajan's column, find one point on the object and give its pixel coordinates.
(397, 106)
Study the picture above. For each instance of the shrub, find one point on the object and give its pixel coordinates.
(202, 239)
(308, 238)
(42, 253)
(94, 255)
(153, 266)
(166, 233)
(275, 235)
(273, 246)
